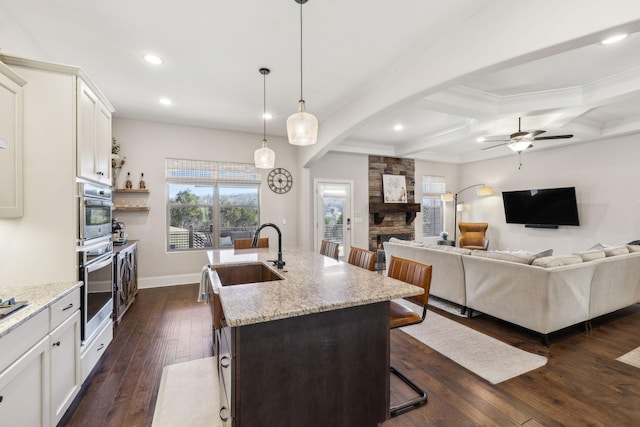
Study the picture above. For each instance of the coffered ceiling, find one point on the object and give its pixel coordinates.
(357, 56)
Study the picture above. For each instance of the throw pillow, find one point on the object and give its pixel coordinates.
(557, 261)
(597, 246)
(396, 240)
(226, 241)
(633, 248)
(504, 256)
(590, 255)
(615, 250)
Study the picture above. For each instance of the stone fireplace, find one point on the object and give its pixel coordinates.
(388, 220)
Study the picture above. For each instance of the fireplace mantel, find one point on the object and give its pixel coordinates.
(380, 209)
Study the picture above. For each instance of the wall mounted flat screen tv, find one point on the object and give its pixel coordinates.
(547, 207)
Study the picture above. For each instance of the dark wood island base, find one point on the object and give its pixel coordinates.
(321, 369)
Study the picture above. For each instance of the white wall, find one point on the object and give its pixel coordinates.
(353, 167)
(607, 181)
(146, 146)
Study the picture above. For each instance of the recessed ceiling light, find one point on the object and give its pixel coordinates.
(481, 139)
(165, 101)
(267, 116)
(614, 39)
(398, 127)
(153, 59)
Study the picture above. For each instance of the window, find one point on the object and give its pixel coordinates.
(432, 213)
(209, 204)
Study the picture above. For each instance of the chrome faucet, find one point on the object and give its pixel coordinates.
(279, 263)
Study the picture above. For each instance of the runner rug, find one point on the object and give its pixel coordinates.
(188, 395)
(483, 355)
(632, 358)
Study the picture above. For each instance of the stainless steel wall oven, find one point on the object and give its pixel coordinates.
(95, 211)
(95, 259)
(96, 273)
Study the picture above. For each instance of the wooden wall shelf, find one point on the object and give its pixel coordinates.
(130, 190)
(130, 208)
(380, 209)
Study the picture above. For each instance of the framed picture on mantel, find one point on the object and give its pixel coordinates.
(394, 188)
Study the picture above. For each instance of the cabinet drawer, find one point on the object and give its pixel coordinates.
(22, 338)
(94, 350)
(64, 308)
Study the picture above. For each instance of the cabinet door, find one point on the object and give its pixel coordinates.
(65, 366)
(103, 144)
(11, 205)
(133, 271)
(86, 133)
(119, 289)
(24, 389)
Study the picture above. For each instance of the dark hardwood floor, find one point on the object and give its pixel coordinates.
(582, 383)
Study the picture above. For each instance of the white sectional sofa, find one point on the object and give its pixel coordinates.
(543, 294)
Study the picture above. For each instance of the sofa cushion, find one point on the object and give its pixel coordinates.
(633, 248)
(526, 254)
(557, 261)
(503, 256)
(399, 241)
(590, 255)
(615, 250)
(461, 251)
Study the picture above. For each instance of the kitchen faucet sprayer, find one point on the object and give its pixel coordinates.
(279, 263)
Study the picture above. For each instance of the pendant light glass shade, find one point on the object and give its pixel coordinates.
(264, 157)
(302, 127)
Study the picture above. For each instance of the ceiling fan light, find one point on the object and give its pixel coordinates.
(302, 127)
(519, 146)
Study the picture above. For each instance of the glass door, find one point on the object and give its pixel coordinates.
(333, 214)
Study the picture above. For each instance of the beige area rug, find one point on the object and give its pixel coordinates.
(632, 358)
(449, 307)
(483, 355)
(188, 395)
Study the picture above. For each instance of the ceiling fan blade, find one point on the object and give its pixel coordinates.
(553, 137)
(494, 146)
(535, 133)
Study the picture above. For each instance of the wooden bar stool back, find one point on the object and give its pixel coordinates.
(417, 274)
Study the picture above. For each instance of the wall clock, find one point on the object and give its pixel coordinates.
(280, 180)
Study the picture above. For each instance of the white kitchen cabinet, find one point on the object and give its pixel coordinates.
(11, 148)
(93, 350)
(40, 374)
(66, 378)
(24, 385)
(94, 136)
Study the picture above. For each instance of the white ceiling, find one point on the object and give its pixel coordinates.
(213, 50)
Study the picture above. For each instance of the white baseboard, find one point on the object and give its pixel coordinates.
(162, 281)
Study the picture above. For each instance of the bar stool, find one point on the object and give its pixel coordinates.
(416, 274)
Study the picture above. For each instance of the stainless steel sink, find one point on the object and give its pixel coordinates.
(246, 273)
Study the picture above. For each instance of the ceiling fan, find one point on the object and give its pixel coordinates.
(520, 141)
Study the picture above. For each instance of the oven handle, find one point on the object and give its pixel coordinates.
(99, 263)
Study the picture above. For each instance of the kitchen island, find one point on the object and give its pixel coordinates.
(309, 349)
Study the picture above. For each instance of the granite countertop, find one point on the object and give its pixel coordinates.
(312, 283)
(39, 297)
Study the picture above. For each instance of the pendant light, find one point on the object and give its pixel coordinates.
(264, 157)
(302, 127)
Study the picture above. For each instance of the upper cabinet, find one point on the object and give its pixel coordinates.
(11, 98)
(56, 117)
(94, 136)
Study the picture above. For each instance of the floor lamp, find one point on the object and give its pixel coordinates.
(451, 197)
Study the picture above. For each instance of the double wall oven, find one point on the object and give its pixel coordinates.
(95, 258)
